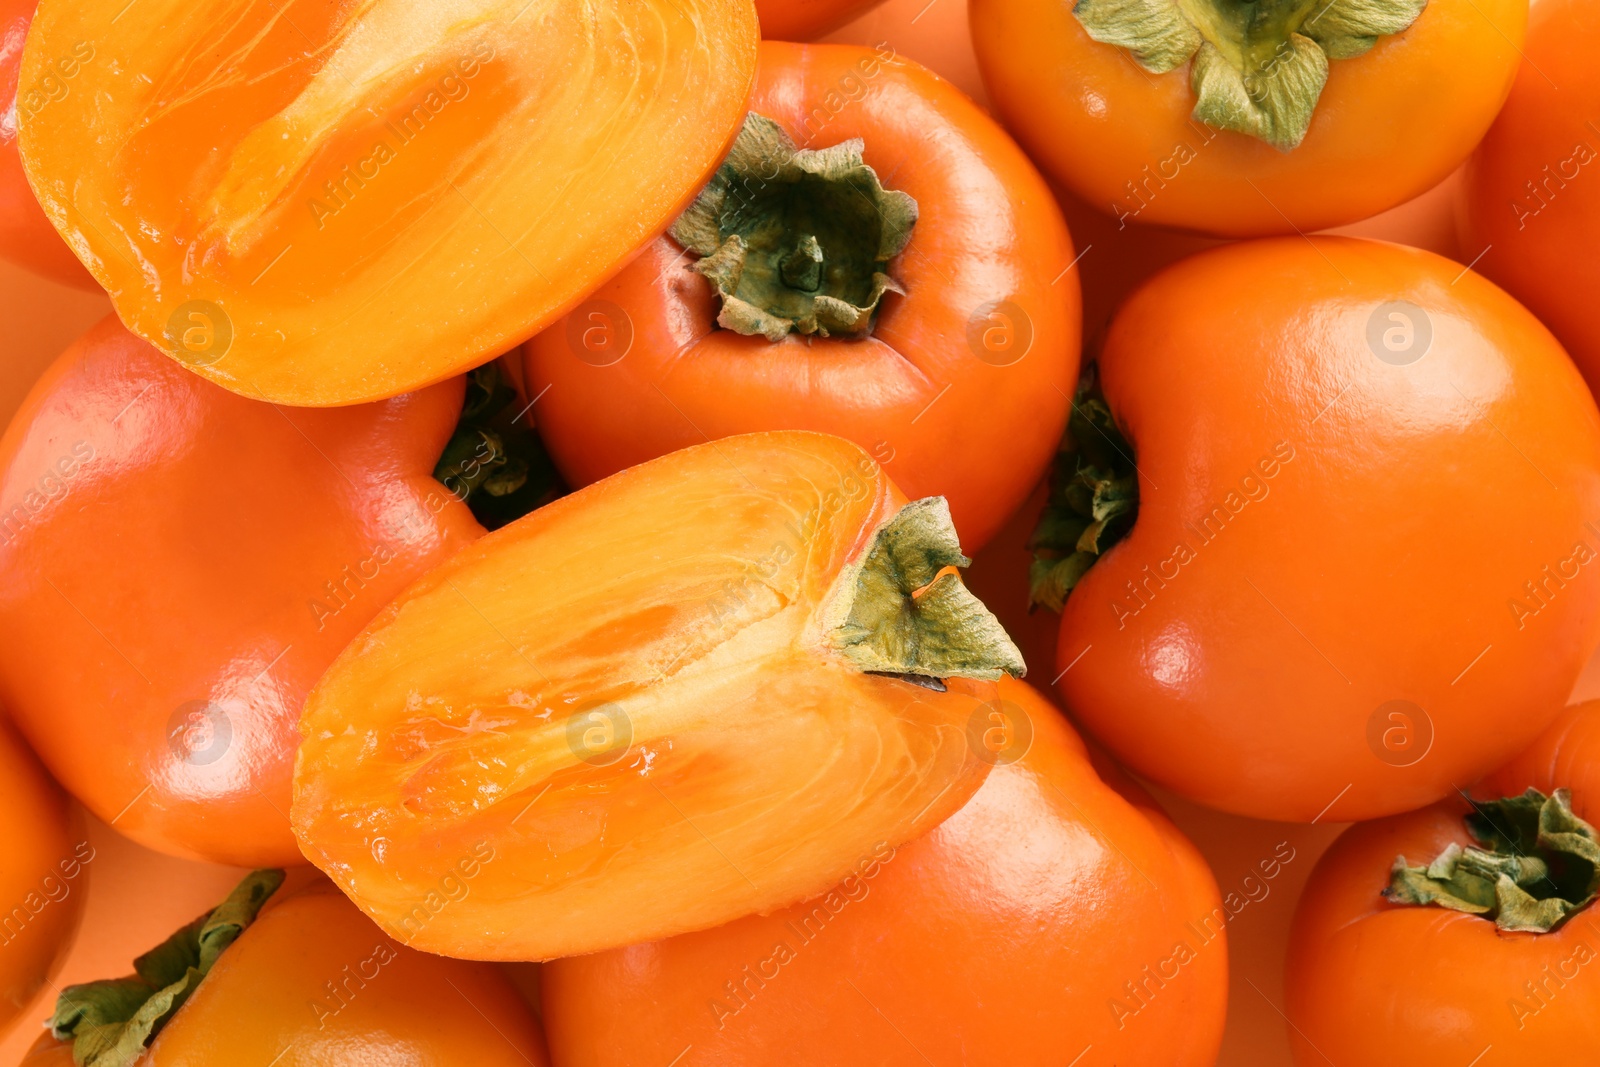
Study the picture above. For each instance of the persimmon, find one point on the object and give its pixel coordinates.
(26, 236)
(806, 20)
(1054, 913)
(1488, 899)
(699, 688)
(324, 204)
(1281, 517)
(44, 880)
(1248, 119)
(937, 325)
(179, 564)
(295, 978)
(1528, 213)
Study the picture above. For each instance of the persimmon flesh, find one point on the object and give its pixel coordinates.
(321, 204)
(700, 688)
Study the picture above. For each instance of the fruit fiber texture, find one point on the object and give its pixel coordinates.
(960, 390)
(323, 204)
(1057, 911)
(641, 709)
(1466, 984)
(1365, 567)
(179, 564)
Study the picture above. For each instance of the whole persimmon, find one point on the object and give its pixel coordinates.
(1059, 911)
(26, 236)
(1279, 527)
(696, 689)
(1489, 901)
(1530, 213)
(347, 202)
(179, 564)
(1248, 119)
(876, 260)
(294, 978)
(44, 879)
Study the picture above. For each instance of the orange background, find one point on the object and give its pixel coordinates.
(139, 897)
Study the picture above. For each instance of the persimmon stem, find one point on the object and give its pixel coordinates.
(902, 610)
(1259, 66)
(1538, 865)
(497, 465)
(111, 1022)
(1094, 498)
(796, 239)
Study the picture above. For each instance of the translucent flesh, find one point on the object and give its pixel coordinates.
(682, 598)
(377, 193)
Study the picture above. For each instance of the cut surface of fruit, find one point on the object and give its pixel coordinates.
(697, 689)
(323, 204)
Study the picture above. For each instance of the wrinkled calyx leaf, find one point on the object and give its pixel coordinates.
(904, 610)
(796, 238)
(110, 1023)
(1094, 498)
(494, 462)
(1259, 67)
(1539, 864)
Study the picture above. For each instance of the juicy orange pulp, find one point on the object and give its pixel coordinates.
(360, 198)
(624, 715)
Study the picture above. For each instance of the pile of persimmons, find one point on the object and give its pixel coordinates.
(518, 510)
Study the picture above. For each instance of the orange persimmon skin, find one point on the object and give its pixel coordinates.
(944, 415)
(354, 201)
(806, 20)
(1003, 937)
(1372, 982)
(627, 713)
(178, 565)
(313, 981)
(26, 236)
(1390, 124)
(1322, 532)
(44, 879)
(1528, 204)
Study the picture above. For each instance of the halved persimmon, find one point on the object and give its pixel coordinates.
(321, 204)
(697, 689)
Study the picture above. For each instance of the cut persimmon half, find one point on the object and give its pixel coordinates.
(322, 204)
(704, 687)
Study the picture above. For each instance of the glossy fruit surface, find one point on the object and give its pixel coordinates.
(1466, 985)
(1055, 913)
(1527, 206)
(1389, 124)
(26, 236)
(44, 879)
(323, 204)
(962, 386)
(312, 982)
(1320, 608)
(806, 20)
(646, 708)
(178, 565)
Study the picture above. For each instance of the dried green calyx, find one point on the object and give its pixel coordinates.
(796, 238)
(110, 1023)
(1539, 864)
(904, 612)
(1259, 67)
(1094, 498)
(494, 462)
